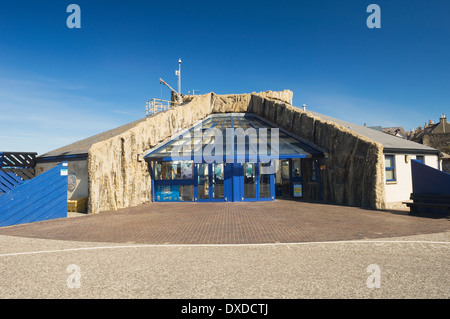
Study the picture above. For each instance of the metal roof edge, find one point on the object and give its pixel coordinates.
(416, 151)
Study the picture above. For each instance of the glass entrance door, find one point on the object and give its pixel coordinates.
(233, 182)
(211, 182)
(285, 179)
(257, 182)
(266, 182)
(250, 181)
(202, 182)
(218, 182)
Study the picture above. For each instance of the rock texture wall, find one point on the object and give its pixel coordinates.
(354, 168)
(353, 172)
(117, 179)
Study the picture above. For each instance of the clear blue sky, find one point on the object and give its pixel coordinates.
(59, 85)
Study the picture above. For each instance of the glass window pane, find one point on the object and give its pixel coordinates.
(218, 181)
(388, 161)
(285, 170)
(278, 179)
(286, 150)
(163, 170)
(389, 174)
(187, 170)
(264, 182)
(186, 192)
(296, 168)
(249, 180)
(203, 181)
(176, 170)
(157, 170)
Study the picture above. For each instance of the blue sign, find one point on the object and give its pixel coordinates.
(167, 193)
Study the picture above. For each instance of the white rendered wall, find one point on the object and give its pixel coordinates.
(400, 190)
(77, 179)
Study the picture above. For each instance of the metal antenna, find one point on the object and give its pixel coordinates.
(178, 73)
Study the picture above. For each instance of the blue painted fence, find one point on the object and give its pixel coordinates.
(41, 198)
(8, 181)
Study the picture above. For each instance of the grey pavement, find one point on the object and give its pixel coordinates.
(409, 267)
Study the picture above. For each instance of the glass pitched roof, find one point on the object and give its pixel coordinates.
(231, 137)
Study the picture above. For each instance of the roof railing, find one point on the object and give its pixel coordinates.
(157, 105)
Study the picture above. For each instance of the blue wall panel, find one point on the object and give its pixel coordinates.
(428, 180)
(41, 198)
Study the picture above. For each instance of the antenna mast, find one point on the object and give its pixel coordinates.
(178, 73)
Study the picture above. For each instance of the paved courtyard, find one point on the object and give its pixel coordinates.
(280, 221)
(294, 250)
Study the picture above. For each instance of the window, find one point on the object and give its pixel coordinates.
(170, 193)
(389, 165)
(421, 158)
(174, 170)
(163, 170)
(296, 168)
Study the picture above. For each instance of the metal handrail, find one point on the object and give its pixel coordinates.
(157, 105)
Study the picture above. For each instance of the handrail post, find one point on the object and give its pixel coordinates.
(158, 105)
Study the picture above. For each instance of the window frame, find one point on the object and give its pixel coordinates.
(390, 168)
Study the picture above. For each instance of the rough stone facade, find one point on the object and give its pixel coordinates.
(353, 173)
(446, 165)
(353, 170)
(440, 141)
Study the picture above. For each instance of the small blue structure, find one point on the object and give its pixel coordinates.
(41, 198)
(431, 190)
(428, 180)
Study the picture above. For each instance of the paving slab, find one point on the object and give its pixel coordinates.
(280, 221)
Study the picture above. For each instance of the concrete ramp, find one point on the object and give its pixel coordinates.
(41, 198)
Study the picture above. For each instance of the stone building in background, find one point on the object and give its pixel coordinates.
(436, 136)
